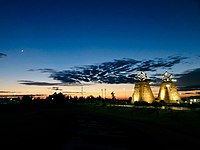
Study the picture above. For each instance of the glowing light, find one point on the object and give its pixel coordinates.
(168, 92)
(174, 80)
(142, 92)
(162, 95)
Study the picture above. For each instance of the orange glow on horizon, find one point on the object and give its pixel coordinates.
(122, 91)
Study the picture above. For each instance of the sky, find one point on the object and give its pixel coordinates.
(94, 47)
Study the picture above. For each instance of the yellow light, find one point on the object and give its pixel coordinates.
(162, 95)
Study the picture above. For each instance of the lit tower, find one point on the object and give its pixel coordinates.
(142, 90)
(168, 91)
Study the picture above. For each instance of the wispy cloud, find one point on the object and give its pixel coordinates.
(2, 92)
(40, 83)
(72, 92)
(2, 55)
(114, 72)
(28, 82)
(45, 70)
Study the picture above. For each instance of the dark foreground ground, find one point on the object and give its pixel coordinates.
(83, 127)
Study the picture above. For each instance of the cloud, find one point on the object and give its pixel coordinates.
(39, 83)
(2, 55)
(2, 92)
(71, 92)
(28, 82)
(117, 71)
(45, 70)
(189, 80)
(56, 88)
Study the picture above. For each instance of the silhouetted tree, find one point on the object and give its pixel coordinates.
(156, 104)
(58, 98)
(26, 99)
(113, 95)
(141, 103)
(90, 99)
(162, 102)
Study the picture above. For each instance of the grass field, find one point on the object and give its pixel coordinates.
(187, 121)
(47, 127)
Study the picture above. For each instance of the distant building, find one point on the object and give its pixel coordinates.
(194, 99)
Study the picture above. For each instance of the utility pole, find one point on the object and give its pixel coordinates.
(82, 91)
(102, 93)
(105, 93)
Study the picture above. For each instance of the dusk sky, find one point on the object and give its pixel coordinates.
(97, 44)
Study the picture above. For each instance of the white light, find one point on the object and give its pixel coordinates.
(174, 80)
(167, 85)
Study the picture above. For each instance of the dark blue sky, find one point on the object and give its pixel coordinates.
(63, 34)
(115, 24)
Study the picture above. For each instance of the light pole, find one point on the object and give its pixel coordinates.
(105, 93)
(82, 91)
(101, 93)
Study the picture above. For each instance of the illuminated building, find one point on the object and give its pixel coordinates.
(142, 90)
(168, 91)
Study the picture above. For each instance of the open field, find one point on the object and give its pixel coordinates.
(78, 126)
